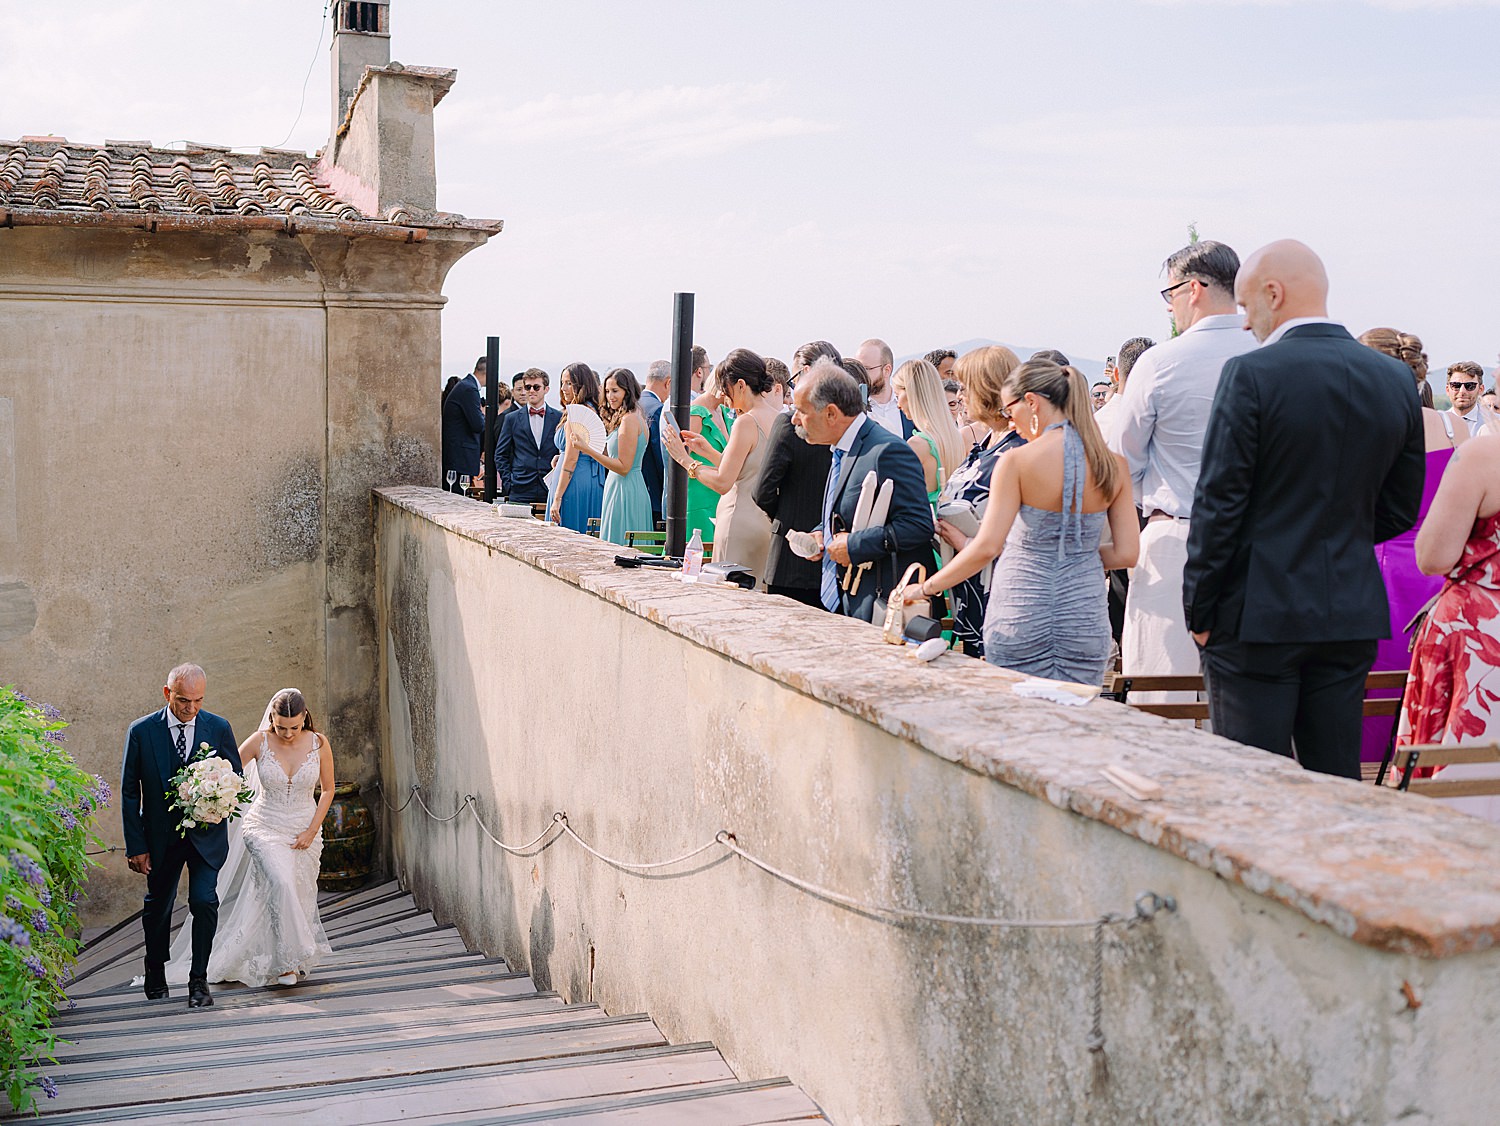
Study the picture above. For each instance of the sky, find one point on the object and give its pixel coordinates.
(927, 174)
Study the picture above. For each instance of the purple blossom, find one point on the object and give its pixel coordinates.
(53, 736)
(48, 1087)
(50, 712)
(14, 905)
(45, 895)
(28, 868)
(101, 791)
(39, 922)
(51, 784)
(68, 820)
(86, 804)
(13, 932)
(34, 964)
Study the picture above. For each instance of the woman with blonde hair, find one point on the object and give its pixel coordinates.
(1049, 505)
(937, 442)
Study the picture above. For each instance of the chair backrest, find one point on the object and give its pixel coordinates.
(539, 509)
(593, 526)
(1119, 687)
(1408, 759)
(648, 543)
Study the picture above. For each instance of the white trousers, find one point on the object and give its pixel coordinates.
(1156, 641)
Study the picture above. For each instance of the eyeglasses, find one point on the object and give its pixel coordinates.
(1005, 410)
(1166, 294)
(1457, 386)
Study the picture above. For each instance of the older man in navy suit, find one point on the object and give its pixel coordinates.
(157, 746)
(828, 412)
(525, 448)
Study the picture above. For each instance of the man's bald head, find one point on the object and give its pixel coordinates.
(184, 691)
(1278, 283)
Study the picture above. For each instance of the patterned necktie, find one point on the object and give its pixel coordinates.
(828, 589)
(182, 741)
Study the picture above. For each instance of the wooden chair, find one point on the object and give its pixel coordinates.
(647, 543)
(1407, 760)
(539, 509)
(593, 527)
(1120, 687)
(655, 543)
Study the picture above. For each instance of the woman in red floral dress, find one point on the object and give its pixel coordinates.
(1453, 695)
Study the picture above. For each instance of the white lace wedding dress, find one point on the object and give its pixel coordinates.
(268, 891)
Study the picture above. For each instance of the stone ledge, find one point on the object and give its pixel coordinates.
(1387, 870)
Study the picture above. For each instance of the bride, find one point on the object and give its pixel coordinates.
(269, 930)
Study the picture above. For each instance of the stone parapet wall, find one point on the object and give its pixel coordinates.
(1331, 959)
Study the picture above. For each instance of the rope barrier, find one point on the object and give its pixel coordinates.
(1147, 903)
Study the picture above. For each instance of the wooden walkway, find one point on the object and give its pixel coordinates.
(402, 1024)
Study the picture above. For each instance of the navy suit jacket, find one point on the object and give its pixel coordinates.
(521, 464)
(150, 761)
(651, 464)
(905, 537)
(463, 427)
(1291, 498)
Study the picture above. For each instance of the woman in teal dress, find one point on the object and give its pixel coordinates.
(580, 482)
(627, 504)
(710, 423)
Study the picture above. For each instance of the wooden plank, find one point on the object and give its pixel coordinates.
(273, 1028)
(1472, 788)
(401, 907)
(337, 899)
(316, 1103)
(377, 981)
(416, 924)
(291, 1014)
(337, 1036)
(301, 1066)
(1448, 754)
(736, 1104)
(127, 941)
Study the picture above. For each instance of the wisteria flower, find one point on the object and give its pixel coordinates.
(29, 869)
(34, 964)
(39, 922)
(48, 1087)
(13, 932)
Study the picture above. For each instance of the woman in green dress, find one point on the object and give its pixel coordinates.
(938, 443)
(627, 503)
(710, 422)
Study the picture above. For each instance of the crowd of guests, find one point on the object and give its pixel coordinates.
(1280, 550)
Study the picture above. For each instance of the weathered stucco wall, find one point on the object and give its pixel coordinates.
(190, 425)
(522, 667)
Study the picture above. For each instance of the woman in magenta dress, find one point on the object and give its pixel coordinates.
(1405, 585)
(1453, 695)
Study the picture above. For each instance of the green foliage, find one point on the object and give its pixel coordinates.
(1192, 240)
(47, 809)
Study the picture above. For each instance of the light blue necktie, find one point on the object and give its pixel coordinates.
(828, 589)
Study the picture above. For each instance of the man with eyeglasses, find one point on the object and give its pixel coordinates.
(1465, 386)
(1157, 423)
(525, 448)
(880, 362)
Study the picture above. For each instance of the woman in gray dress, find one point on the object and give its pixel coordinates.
(1050, 503)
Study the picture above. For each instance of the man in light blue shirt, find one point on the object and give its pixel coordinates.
(1157, 424)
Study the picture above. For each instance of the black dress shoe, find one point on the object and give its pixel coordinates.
(198, 995)
(156, 990)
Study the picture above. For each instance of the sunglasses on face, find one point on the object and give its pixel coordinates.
(1457, 386)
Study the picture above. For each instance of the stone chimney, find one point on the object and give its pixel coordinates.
(381, 153)
(361, 38)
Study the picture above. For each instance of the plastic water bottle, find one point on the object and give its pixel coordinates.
(692, 559)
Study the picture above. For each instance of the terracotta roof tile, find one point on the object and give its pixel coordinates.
(202, 185)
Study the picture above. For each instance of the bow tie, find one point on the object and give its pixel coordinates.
(537, 411)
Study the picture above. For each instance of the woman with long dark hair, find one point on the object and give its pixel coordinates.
(579, 497)
(1050, 502)
(626, 506)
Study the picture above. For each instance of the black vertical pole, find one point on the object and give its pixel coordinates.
(491, 418)
(674, 503)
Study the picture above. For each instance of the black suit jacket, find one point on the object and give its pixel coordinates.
(522, 464)
(906, 535)
(150, 762)
(463, 427)
(652, 468)
(1314, 453)
(790, 489)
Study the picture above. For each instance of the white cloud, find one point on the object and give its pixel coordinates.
(663, 123)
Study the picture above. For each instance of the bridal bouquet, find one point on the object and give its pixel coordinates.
(207, 791)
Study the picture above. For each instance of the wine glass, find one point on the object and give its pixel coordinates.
(451, 476)
(463, 484)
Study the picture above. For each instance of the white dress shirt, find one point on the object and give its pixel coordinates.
(888, 414)
(189, 729)
(846, 443)
(536, 421)
(1163, 412)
